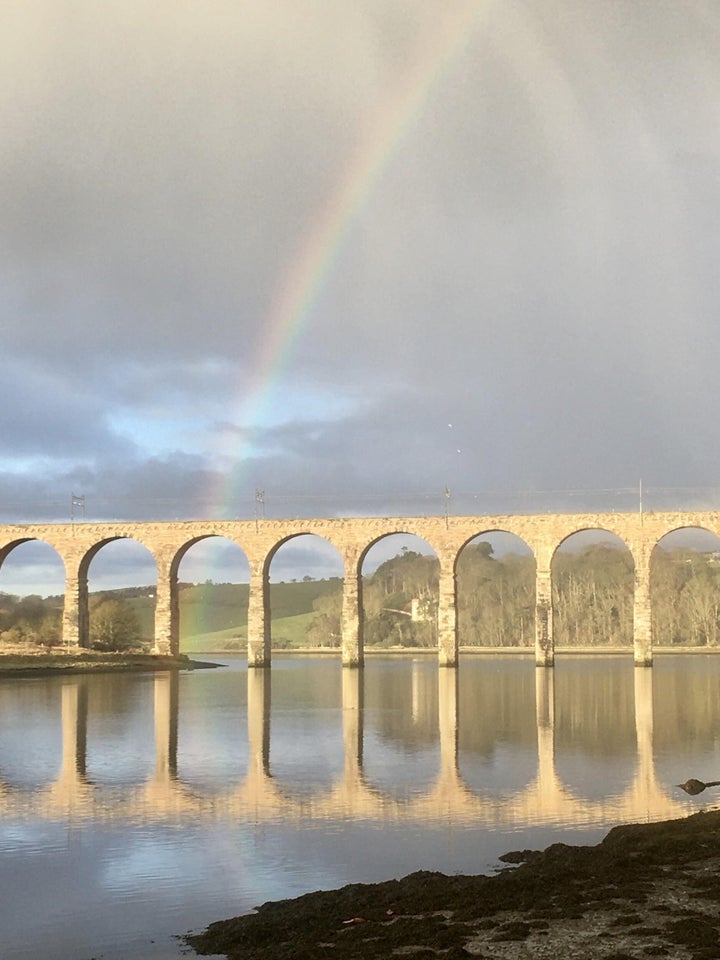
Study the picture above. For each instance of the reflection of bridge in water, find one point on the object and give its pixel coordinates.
(259, 797)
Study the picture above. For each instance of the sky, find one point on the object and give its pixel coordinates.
(358, 255)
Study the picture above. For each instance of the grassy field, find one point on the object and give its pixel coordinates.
(213, 616)
(286, 632)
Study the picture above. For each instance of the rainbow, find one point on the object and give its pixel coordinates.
(316, 255)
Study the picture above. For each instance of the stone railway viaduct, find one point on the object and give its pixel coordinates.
(78, 543)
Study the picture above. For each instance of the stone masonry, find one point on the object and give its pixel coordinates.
(78, 543)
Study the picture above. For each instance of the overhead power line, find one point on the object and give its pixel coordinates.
(261, 503)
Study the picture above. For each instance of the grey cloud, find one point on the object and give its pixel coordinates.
(531, 257)
(49, 416)
(165, 168)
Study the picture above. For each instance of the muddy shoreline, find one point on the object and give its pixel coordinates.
(645, 890)
(40, 664)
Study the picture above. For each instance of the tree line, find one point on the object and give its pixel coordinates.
(593, 592)
(37, 621)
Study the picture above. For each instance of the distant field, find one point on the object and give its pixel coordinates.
(213, 616)
(286, 632)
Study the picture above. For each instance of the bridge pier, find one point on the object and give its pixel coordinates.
(76, 617)
(642, 612)
(167, 614)
(71, 614)
(258, 628)
(544, 639)
(353, 654)
(447, 615)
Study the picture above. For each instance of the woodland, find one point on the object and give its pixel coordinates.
(593, 592)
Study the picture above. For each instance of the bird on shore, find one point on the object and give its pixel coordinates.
(693, 786)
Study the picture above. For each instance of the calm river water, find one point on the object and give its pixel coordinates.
(136, 807)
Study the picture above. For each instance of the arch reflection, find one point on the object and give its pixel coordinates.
(543, 798)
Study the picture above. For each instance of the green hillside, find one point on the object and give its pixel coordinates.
(213, 616)
(287, 632)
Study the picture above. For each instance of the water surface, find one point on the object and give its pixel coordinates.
(140, 806)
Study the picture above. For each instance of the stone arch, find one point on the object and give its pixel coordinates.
(235, 591)
(181, 551)
(593, 590)
(96, 547)
(288, 595)
(11, 545)
(41, 620)
(685, 587)
(592, 530)
(401, 530)
(496, 597)
(84, 614)
(388, 607)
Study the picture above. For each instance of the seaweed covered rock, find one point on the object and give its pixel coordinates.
(646, 889)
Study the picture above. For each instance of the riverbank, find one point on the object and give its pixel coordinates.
(90, 661)
(415, 653)
(645, 890)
